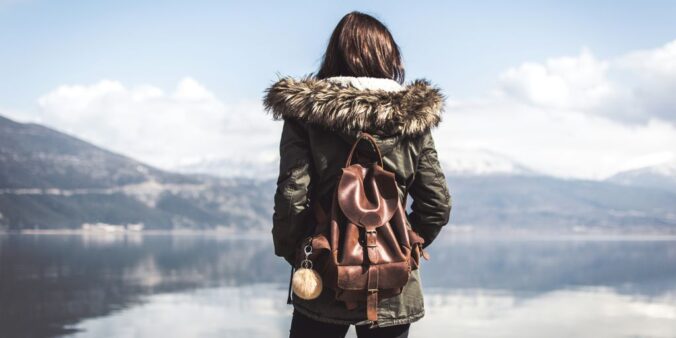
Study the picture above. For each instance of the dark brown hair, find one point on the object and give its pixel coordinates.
(362, 46)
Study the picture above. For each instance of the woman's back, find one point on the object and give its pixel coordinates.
(323, 118)
(358, 88)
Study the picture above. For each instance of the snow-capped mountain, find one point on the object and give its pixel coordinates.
(456, 162)
(223, 167)
(473, 162)
(661, 176)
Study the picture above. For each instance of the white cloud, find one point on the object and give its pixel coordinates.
(632, 88)
(567, 83)
(577, 116)
(164, 129)
(659, 62)
(558, 142)
(574, 116)
(649, 77)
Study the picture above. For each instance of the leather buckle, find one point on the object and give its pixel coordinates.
(371, 238)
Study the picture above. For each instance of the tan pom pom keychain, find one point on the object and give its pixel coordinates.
(307, 283)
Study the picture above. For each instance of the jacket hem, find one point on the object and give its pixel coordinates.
(384, 323)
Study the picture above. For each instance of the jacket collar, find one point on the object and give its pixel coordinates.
(349, 104)
(367, 83)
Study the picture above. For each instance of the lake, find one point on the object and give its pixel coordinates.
(205, 285)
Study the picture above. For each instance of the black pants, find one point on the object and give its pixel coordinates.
(304, 327)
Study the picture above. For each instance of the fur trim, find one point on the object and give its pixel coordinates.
(357, 104)
(364, 82)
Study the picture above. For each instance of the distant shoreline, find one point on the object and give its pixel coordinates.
(84, 232)
(451, 234)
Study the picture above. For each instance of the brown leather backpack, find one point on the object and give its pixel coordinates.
(365, 249)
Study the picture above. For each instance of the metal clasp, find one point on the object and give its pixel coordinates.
(307, 250)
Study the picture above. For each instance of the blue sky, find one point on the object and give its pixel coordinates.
(560, 87)
(235, 48)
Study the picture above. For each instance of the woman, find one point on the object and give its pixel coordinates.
(359, 87)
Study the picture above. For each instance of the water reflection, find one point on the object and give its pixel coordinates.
(195, 285)
(584, 312)
(48, 283)
(256, 312)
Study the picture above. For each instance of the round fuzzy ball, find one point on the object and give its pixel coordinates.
(307, 284)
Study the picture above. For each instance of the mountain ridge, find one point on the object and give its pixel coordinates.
(660, 176)
(49, 180)
(464, 162)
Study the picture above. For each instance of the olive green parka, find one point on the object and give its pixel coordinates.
(322, 119)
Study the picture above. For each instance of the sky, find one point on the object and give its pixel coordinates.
(575, 89)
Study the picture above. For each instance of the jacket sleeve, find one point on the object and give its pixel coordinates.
(431, 205)
(293, 185)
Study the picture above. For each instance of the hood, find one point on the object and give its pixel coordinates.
(348, 105)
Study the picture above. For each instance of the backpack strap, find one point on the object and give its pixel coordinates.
(372, 275)
(372, 140)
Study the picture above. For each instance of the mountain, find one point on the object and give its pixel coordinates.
(662, 176)
(457, 161)
(549, 203)
(224, 167)
(34, 156)
(465, 162)
(49, 179)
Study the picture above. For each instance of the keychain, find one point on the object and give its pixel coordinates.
(307, 284)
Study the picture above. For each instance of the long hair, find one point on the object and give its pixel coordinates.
(360, 45)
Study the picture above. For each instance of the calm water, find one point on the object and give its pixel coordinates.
(210, 286)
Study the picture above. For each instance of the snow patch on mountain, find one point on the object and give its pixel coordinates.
(455, 161)
(224, 167)
(479, 162)
(660, 176)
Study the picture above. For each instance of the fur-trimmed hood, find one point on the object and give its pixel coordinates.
(350, 104)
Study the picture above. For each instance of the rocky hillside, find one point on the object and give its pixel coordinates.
(49, 179)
